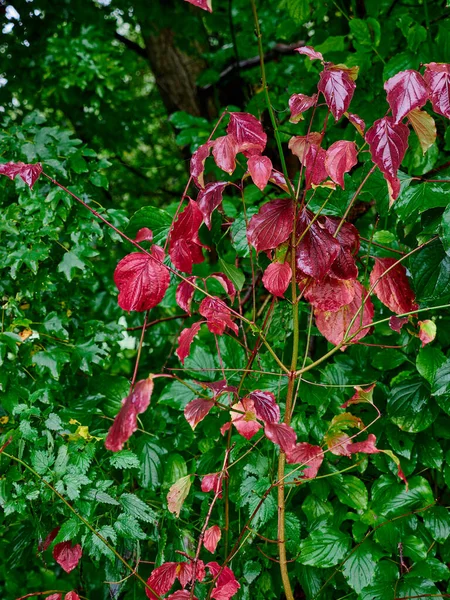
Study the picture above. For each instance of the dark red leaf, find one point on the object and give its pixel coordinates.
(196, 410)
(260, 169)
(281, 434)
(329, 294)
(67, 556)
(224, 152)
(396, 323)
(405, 91)
(277, 277)
(392, 289)
(162, 579)
(272, 225)
(43, 545)
(300, 103)
(344, 267)
(357, 122)
(211, 538)
(205, 4)
(310, 52)
(217, 315)
(337, 87)
(198, 163)
(144, 235)
(334, 325)
(185, 246)
(317, 248)
(125, 423)
(311, 155)
(226, 283)
(304, 453)
(142, 280)
(185, 340)
(210, 198)
(212, 483)
(340, 158)
(28, 173)
(226, 585)
(185, 293)
(265, 405)
(243, 417)
(437, 76)
(248, 132)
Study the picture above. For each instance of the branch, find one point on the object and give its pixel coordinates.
(131, 45)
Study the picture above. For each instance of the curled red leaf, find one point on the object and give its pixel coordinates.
(185, 340)
(217, 315)
(405, 91)
(226, 283)
(211, 538)
(392, 288)
(340, 158)
(260, 169)
(71, 596)
(337, 87)
(265, 406)
(144, 235)
(277, 277)
(368, 446)
(437, 76)
(226, 585)
(310, 52)
(198, 163)
(209, 199)
(184, 294)
(344, 266)
(67, 556)
(224, 152)
(185, 246)
(272, 225)
(300, 103)
(281, 434)
(310, 154)
(248, 132)
(304, 453)
(396, 323)
(204, 4)
(28, 173)
(196, 410)
(357, 122)
(212, 483)
(54, 597)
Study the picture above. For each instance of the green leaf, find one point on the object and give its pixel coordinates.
(410, 406)
(414, 548)
(150, 473)
(41, 461)
(437, 521)
(428, 361)
(69, 264)
(101, 496)
(359, 568)
(69, 530)
(383, 586)
(351, 491)
(324, 547)
(239, 233)
(415, 587)
(441, 386)
(235, 275)
(135, 507)
(430, 269)
(391, 498)
(298, 10)
(251, 570)
(128, 528)
(366, 32)
(125, 459)
(156, 219)
(201, 363)
(51, 360)
(419, 198)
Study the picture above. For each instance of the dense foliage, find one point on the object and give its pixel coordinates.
(279, 301)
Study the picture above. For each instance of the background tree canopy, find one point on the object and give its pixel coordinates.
(113, 97)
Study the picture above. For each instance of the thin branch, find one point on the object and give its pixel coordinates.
(134, 46)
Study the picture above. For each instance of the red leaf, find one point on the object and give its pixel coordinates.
(361, 395)
(43, 545)
(205, 4)
(396, 323)
(265, 405)
(340, 158)
(162, 579)
(317, 249)
(357, 122)
(330, 294)
(300, 103)
(278, 179)
(306, 454)
(54, 597)
(248, 132)
(272, 225)
(142, 280)
(184, 294)
(277, 277)
(392, 289)
(337, 443)
(28, 173)
(301, 144)
(212, 537)
(310, 52)
(424, 126)
(226, 283)
(196, 410)
(437, 76)
(368, 446)
(333, 325)
(344, 267)
(281, 434)
(311, 155)
(427, 331)
(224, 152)
(144, 235)
(71, 596)
(209, 199)
(125, 423)
(185, 246)
(217, 315)
(185, 572)
(212, 483)
(181, 595)
(405, 91)
(67, 556)
(226, 585)
(198, 163)
(388, 142)
(185, 340)
(245, 420)
(260, 169)
(337, 87)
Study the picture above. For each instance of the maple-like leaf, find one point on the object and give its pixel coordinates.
(67, 556)
(260, 169)
(204, 4)
(226, 283)
(196, 410)
(211, 538)
(277, 277)
(340, 159)
(226, 585)
(185, 246)
(224, 152)
(424, 127)
(437, 76)
(162, 579)
(209, 199)
(304, 453)
(248, 133)
(212, 483)
(217, 315)
(317, 249)
(185, 340)
(310, 53)
(334, 325)
(300, 103)
(392, 289)
(427, 331)
(272, 225)
(406, 91)
(243, 417)
(281, 434)
(337, 87)
(185, 293)
(178, 493)
(198, 163)
(357, 122)
(125, 423)
(28, 173)
(396, 323)
(329, 294)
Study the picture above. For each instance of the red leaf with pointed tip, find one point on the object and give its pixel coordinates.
(185, 246)
(310, 52)
(248, 132)
(333, 325)
(67, 556)
(28, 173)
(311, 155)
(71, 596)
(427, 331)
(211, 538)
(162, 579)
(368, 446)
(330, 294)
(337, 87)
(224, 152)
(144, 235)
(245, 420)
(217, 315)
(281, 434)
(272, 225)
(278, 179)
(185, 340)
(424, 127)
(226, 585)
(300, 103)
(142, 280)
(260, 169)
(301, 144)
(437, 76)
(357, 122)
(226, 283)
(43, 545)
(344, 267)
(392, 289)
(388, 142)
(340, 158)
(405, 91)
(204, 4)
(265, 405)
(277, 277)
(396, 323)
(209, 199)
(212, 483)
(198, 163)
(306, 454)
(185, 572)
(125, 423)
(317, 249)
(196, 410)
(184, 294)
